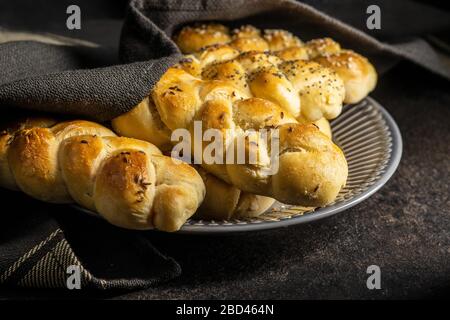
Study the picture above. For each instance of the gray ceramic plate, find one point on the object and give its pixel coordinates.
(372, 145)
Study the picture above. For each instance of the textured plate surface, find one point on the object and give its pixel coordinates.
(372, 145)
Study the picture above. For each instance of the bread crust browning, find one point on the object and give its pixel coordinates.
(253, 79)
(224, 107)
(146, 125)
(194, 38)
(224, 201)
(127, 181)
(33, 158)
(357, 73)
(7, 131)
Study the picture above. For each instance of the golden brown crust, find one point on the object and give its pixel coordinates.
(125, 180)
(215, 54)
(221, 106)
(311, 168)
(245, 31)
(321, 90)
(322, 124)
(322, 47)
(232, 85)
(76, 158)
(193, 38)
(230, 71)
(257, 113)
(177, 91)
(357, 73)
(293, 53)
(5, 172)
(7, 130)
(311, 172)
(143, 122)
(126, 183)
(303, 88)
(33, 158)
(249, 44)
(280, 39)
(271, 84)
(224, 201)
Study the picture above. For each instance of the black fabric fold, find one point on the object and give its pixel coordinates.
(52, 78)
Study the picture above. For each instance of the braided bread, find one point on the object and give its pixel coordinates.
(312, 169)
(358, 74)
(304, 89)
(127, 181)
(235, 84)
(224, 201)
(235, 204)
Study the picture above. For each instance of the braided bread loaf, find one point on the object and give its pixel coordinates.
(127, 181)
(312, 169)
(357, 73)
(304, 89)
(222, 200)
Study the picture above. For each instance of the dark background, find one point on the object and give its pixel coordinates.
(404, 228)
(102, 19)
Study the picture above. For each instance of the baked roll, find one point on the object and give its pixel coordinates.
(235, 203)
(303, 88)
(228, 83)
(192, 39)
(312, 169)
(224, 201)
(356, 72)
(127, 181)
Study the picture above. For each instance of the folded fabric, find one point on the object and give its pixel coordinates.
(46, 246)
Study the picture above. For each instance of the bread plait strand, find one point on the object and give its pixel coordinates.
(357, 73)
(127, 181)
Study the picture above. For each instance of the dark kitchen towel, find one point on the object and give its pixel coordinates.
(44, 246)
(37, 241)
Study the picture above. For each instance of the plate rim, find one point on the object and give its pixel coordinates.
(389, 170)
